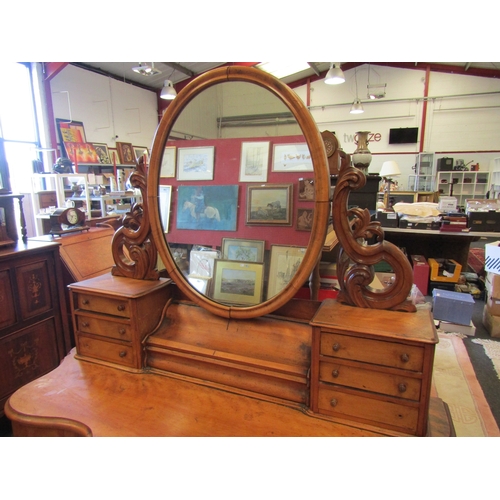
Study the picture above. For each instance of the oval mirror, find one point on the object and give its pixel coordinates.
(238, 192)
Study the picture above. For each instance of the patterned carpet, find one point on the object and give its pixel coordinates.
(454, 381)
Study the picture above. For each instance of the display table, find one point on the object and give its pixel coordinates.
(436, 244)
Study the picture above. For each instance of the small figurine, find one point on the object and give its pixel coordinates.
(63, 166)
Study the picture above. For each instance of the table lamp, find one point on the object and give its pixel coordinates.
(389, 169)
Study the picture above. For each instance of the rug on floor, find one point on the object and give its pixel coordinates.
(492, 350)
(455, 382)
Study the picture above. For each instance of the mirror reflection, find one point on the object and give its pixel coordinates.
(236, 193)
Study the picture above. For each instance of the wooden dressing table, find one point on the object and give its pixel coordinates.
(156, 357)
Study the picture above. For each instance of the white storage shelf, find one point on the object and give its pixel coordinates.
(425, 173)
(463, 185)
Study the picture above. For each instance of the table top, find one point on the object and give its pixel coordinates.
(465, 234)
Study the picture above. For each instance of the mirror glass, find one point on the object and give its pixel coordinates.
(236, 194)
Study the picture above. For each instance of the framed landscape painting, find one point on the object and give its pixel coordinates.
(238, 282)
(269, 205)
(241, 249)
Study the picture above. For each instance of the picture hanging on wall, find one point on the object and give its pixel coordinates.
(140, 151)
(292, 158)
(195, 164)
(304, 219)
(269, 205)
(168, 162)
(254, 161)
(306, 189)
(212, 208)
(103, 153)
(285, 260)
(125, 153)
(241, 249)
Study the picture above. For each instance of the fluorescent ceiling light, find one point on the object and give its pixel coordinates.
(376, 91)
(146, 70)
(283, 69)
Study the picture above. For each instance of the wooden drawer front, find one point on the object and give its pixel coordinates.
(26, 355)
(370, 380)
(385, 413)
(372, 351)
(34, 287)
(8, 316)
(97, 326)
(116, 307)
(106, 351)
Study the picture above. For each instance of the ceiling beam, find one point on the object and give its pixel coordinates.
(180, 68)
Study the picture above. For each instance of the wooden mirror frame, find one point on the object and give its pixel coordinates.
(321, 175)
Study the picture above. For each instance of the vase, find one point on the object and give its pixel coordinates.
(362, 157)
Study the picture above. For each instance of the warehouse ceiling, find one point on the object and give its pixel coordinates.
(182, 72)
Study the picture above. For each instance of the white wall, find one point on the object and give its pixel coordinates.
(109, 109)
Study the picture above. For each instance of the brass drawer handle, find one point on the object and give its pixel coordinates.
(333, 402)
(85, 324)
(335, 373)
(123, 354)
(405, 358)
(122, 331)
(121, 307)
(85, 302)
(336, 346)
(402, 387)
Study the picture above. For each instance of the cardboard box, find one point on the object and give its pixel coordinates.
(447, 204)
(388, 219)
(454, 307)
(491, 323)
(446, 326)
(493, 306)
(492, 285)
(421, 273)
(492, 257)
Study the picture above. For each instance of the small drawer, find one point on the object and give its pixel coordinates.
(116, 307)
(398, 386)
(378, 352)
(334, 402)
(105, 351)
(103, 327)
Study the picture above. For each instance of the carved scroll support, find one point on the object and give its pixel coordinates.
(357, 256)
(134, 250)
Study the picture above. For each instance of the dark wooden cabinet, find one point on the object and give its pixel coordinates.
(34, 335)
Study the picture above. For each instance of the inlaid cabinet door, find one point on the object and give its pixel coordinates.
(33, 283)
(8, 316)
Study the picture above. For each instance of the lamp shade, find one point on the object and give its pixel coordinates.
(357, 107)
(389, 169)
(168, 91)
(335, 75)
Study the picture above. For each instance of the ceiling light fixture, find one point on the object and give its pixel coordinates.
(335, 75)
(376, 90)
(356, 107)
(146, 70)
(168, 91)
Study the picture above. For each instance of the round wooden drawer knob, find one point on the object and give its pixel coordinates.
(333, 402)
(122, 331)
(121, 307)
(336, 346)
(402, 387)
(85, 302)
(85, 324)
(335, 373)
(405, 358)
(123, 354)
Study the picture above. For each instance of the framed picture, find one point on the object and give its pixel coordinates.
(140, 151)
(165, 203)
(103, 153)
(238, 282)
(125, 153)
(304, 219)
(240, 249)
(306, 189)
(168, 162)
(195, 164)
(269, 205)
(254, 161)
(201, 263)
(284, 262)
(70, 131)
(81, 152)
(292, 158)
(212, 208)
(113, 156)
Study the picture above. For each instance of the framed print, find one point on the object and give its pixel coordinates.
(238, 282)
(168, 162)
(306, 189)
(125, 153)
(113, 156)
(165, 202)
(140, 151)
(240, 249)
(70, 131)
(201, 284)
(304, 219)
(103, 153)
(212, 208)
(195, 164)
(254, 161)
(292, 158)
(269, 205)
(81, 152)
(201, 263)
(284, 262)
